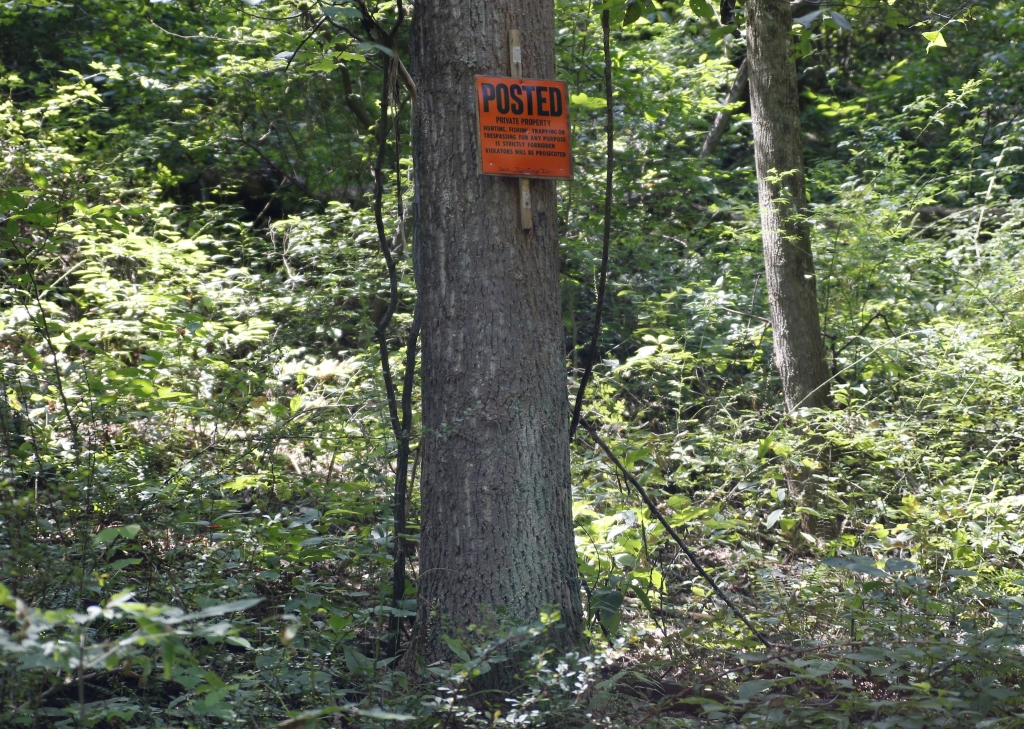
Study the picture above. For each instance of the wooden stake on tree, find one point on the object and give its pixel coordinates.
(515, 63)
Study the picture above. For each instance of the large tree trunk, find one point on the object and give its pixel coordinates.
(778, 154)
(497, 541)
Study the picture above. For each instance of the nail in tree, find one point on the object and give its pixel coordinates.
(497, 537)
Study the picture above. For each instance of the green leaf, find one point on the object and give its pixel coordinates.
(221, 609)
(6, 597)
(611, 621)
(894, 18)
(633, 11)
(334, 13)
(863, 565)
(606, 602)
(324, 64)
(357, 662)
(808, 19)
(639, 454)
(606, 599)
(243, 482)
(721, 32)
(375, 713)
(718, 33)
(750, 689)
(121, 564)
(679, 501)
(111, 533)
(702, 9)
(347, 56)
(643, 597)
(840, 20)
(142, 387)
(589, 102)
(896, 564)
(457, 648)
(307, 718)
(11, 201)
(935, 40)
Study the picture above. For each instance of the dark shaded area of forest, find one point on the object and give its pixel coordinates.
(197, 460)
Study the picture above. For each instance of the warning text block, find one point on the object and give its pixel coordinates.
(524, 127)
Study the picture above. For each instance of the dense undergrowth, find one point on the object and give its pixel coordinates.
(196, 459)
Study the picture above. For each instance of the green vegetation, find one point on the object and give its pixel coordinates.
(197, 461)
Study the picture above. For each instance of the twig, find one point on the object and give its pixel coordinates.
(408, 383)
(749, 315)
(404, 74)
(357, 109)
(609, 128)
(385, 248)
(81, 677)
(312, 31)
(62, 685)
(721, 124)
(401, 428)
(192, 37)
(859, 334)
(672, 532)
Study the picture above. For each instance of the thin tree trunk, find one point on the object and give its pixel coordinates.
(722, 118)
(778, 154)
(497, 543)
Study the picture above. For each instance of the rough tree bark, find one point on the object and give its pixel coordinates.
(497, 539)
(778, 155)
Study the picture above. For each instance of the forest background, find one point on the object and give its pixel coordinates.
(197, 462)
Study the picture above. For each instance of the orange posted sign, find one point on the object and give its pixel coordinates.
(524, 127)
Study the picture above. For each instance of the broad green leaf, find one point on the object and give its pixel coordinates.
(702, 9)
(935, 39)
(863, 565)
(679, 501)
(347, 56)
(589, 102)
(338, 13)
(243, 482)
(222, 609)
(750, 689)
(111, 533)
(840, 20)
(896, 564)
(122, 563)
(457, 648)
(324, 65)
(634, 10)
